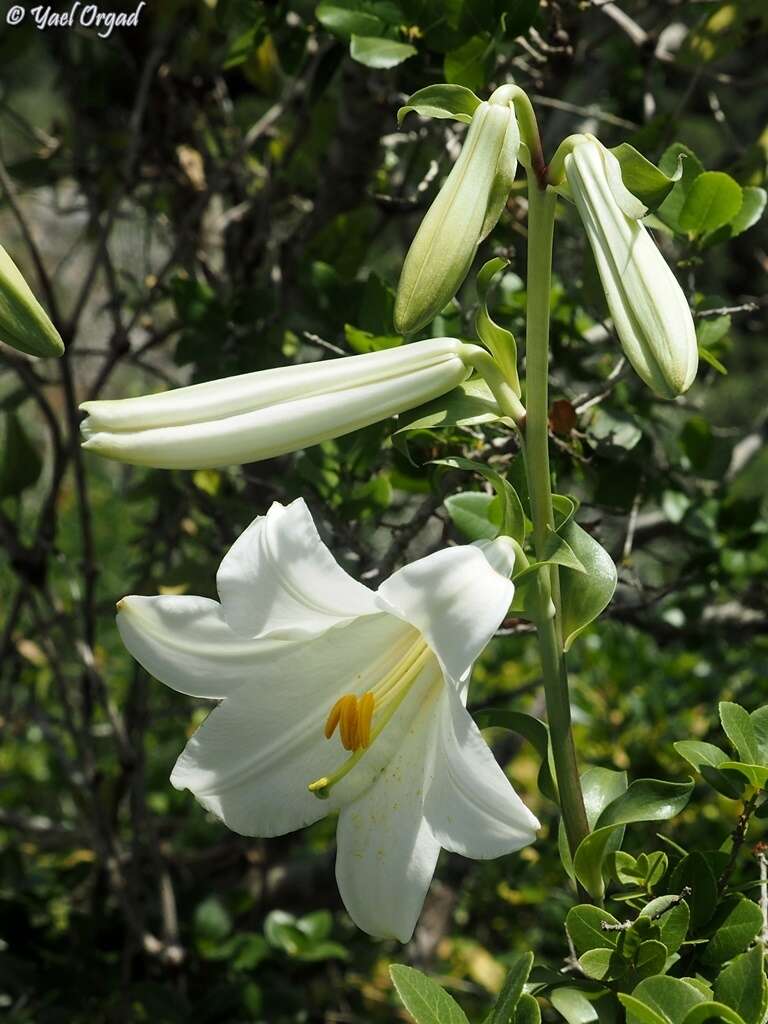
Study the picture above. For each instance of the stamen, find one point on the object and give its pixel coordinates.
(348, 723)
(333, 717)
(364, 716)
(355, 717)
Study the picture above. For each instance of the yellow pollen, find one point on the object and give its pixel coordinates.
(353, 715)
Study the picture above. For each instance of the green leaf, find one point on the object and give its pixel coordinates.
(639, 1012)
(669, 211)
(377, 52)
(713, 200)
(499, 342)
(647, 800)
(600, 786)
(673, 921)
(669, 999)
(695, 872)
(527, 1011)
(753, 202)
(584, 595)
(644, 179)
(573, 1005)
(512, 516)
(713, 1011)
(644, 800)
(739, 729)
(755, 774)
(737, 925)
(282, 932)
(20, 464)
(740, 985)
(504, 1010)
(597, 963)
(584, 926)
(364, 341)
(470, 403)
(344, 21)
(469, 64)
(650, 959)
(698, 753)
(424, 999)
(444, 100)
(470, 513)
(533, 730)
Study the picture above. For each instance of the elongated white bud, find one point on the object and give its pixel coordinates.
(465, 210)
(271, 412)
(648, 307)
(24, 324)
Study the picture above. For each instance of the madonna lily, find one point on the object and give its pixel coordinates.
(648, 307)
(465, 210)
(334, 697)
(271, 412)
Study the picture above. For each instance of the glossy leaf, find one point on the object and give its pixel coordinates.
(443, 100)
(424, 999)
(509, 997)
(647, 800)
(584, 595)
(670, 209)
(573, 1005)
(470, 513)
(737, 925)
(499, 341)
(512, 522)
(378, 52)
(644, 179)
(527, 1011)
(533, 730)
(695, 872)
(739, 729)
(675, 916)
(713, 1011)
(669, 999)
(470, 403)
(741, 985)
(344, 22)
(713, 200)
(584, 926)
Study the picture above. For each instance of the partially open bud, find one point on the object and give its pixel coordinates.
(271, 412)
(465, 210)
(24, 323)
(648, 307)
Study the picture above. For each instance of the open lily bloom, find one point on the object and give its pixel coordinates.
(338, 698)
(271, 412)
(648, 307)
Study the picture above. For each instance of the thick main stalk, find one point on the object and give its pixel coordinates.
(541, 216)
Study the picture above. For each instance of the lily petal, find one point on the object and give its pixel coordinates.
(186, 643)
(386, 850)
(251, 761)
(279, 580)
(470, 805)
(456, 598)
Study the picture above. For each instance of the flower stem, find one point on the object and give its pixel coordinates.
(541, 217)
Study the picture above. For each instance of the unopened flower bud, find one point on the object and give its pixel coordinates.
(465, 210)
(649, 310)
(24, 323)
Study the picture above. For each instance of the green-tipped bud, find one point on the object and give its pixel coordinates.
(24, 324)
(465, 210)
(648, 307)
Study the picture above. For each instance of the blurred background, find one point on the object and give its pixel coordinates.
(224, 187)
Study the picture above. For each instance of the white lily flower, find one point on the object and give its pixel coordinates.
(338, 698)
(648, 307)
(464, 211)
(271, 412)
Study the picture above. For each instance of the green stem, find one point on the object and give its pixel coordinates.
(541, 218)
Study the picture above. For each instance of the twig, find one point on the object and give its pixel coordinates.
(760, 854)
(737, 840)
